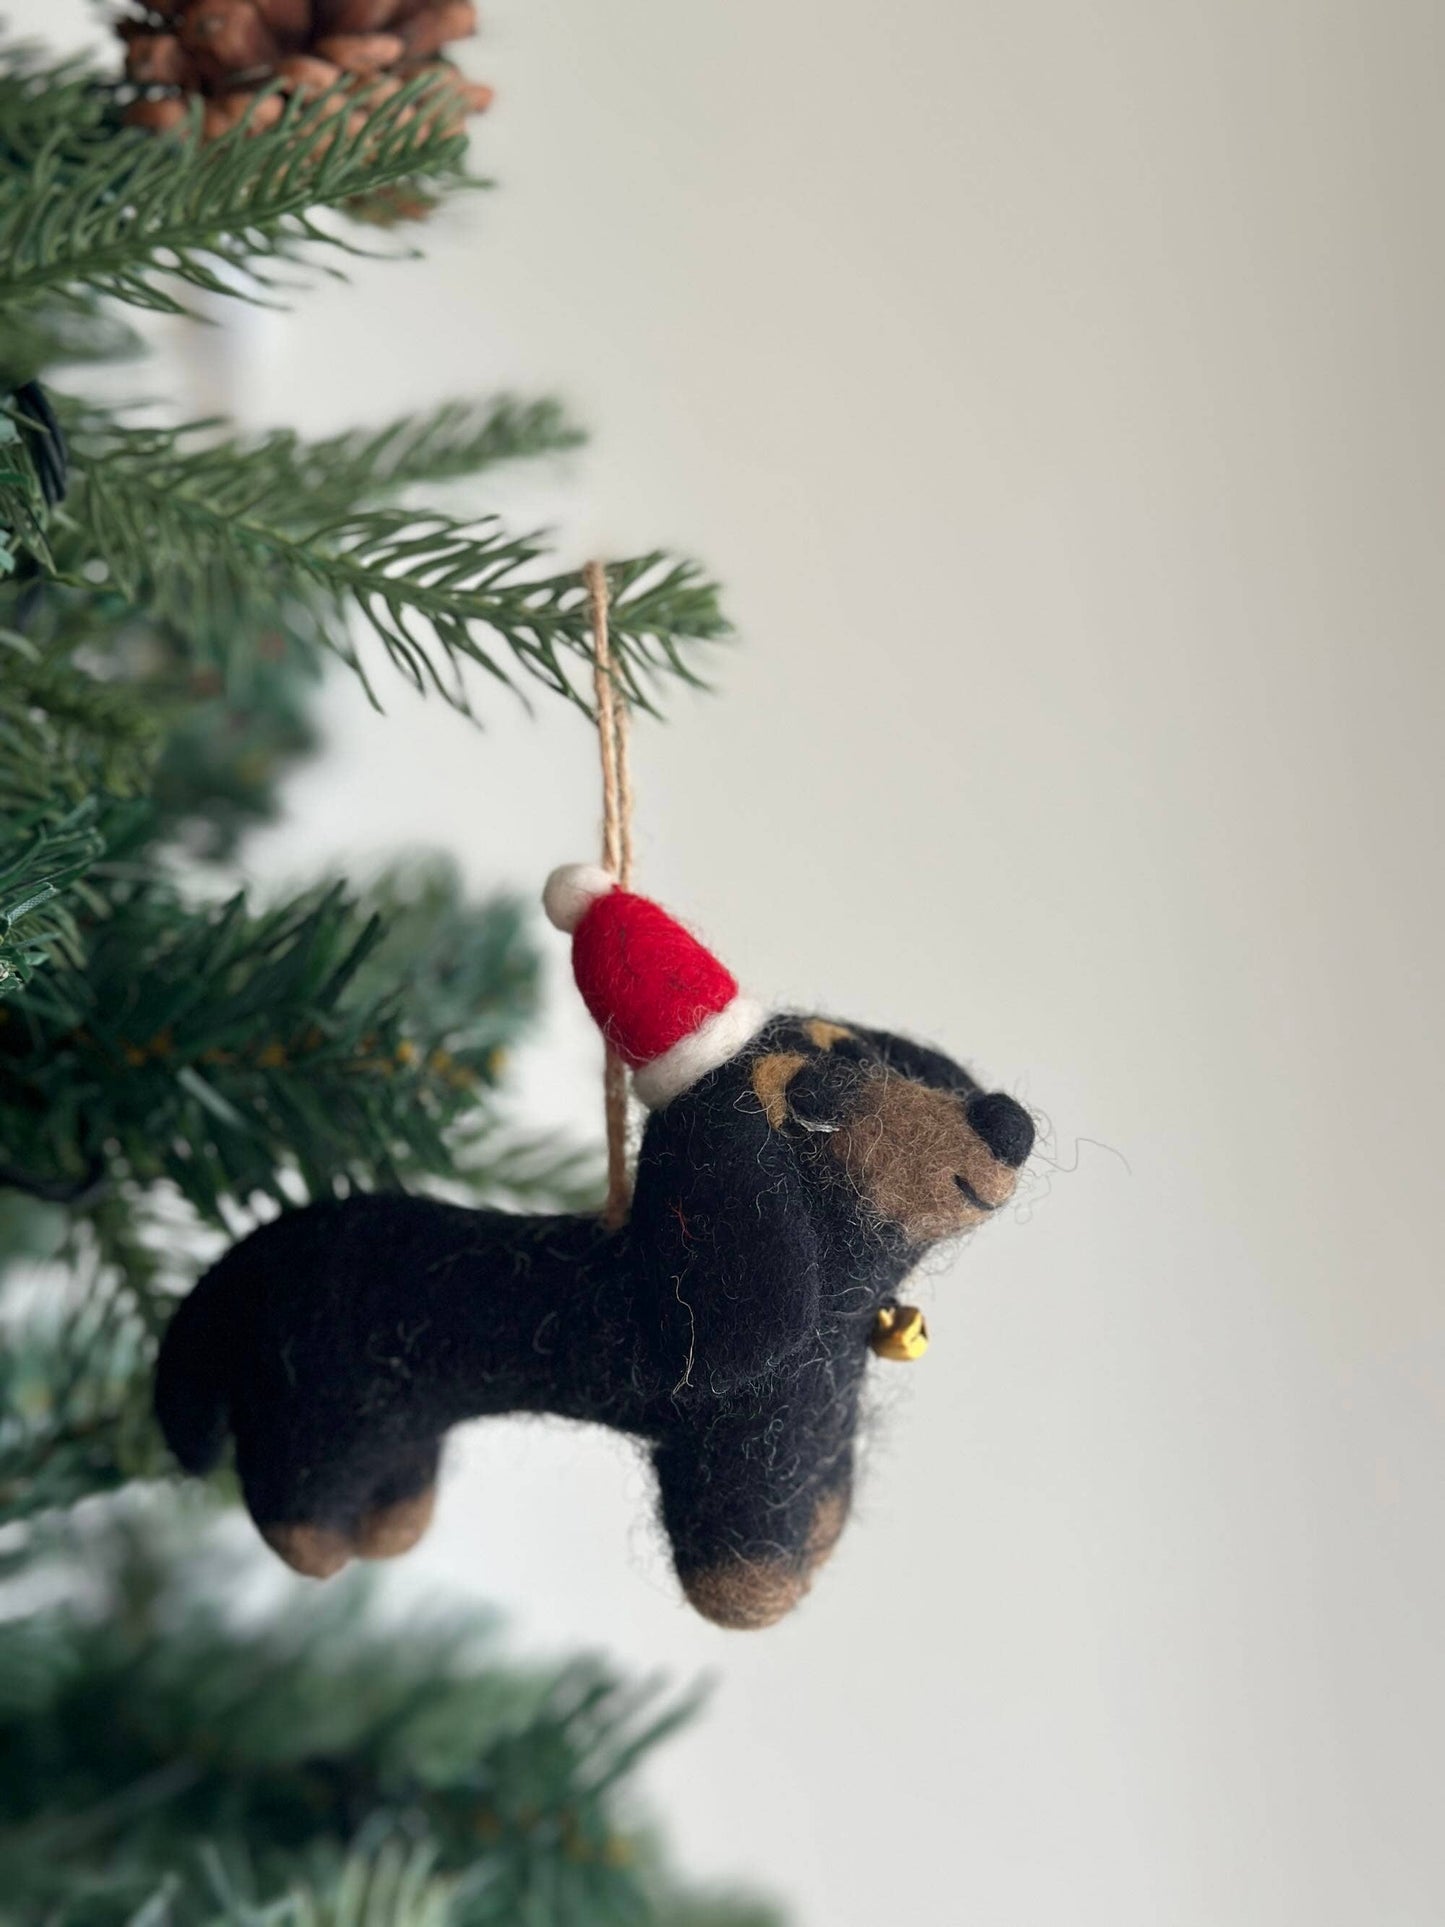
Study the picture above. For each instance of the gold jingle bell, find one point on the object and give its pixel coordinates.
(900, 1332)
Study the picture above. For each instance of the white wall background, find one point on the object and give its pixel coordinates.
(1057, 389)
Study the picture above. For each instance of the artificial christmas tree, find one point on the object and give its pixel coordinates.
(176, 1060)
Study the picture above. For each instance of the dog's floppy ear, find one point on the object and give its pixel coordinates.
(820, 1091)
(721, 1227)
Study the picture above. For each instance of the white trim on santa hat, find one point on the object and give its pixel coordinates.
(715, 1040)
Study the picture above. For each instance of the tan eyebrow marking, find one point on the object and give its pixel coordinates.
(824, 1034)
(771, 1076)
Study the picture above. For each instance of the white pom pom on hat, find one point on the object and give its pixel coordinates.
(570, 892)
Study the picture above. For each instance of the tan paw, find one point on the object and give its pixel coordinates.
(316, 1551)
(746, 1594)
(391, 1530)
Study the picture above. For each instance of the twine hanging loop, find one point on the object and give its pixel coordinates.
(612, 738)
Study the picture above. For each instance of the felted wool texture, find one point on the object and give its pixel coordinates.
(665, 1004)
(713, 1042)
(780, 1204)
(647, 981)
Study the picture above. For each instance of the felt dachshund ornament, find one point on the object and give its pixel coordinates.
(792, 1172)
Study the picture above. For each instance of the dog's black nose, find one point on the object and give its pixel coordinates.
(1005, 1127)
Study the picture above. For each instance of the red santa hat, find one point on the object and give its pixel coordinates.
(663, 1002)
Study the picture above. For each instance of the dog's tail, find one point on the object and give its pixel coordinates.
(192, 1391)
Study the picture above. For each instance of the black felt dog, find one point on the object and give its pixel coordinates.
(780, 1203)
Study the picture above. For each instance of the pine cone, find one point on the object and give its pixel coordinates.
(226, 51)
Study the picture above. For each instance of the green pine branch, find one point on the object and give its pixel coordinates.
(75, 1401)
(66, 733)
(228, 749)
(61, 331)
(70, 744)
(153, 1742)
(449, 443)
(48, 106)
(24, 512)
(42, 853)
(391, 1885)
(233, 539)
(140, 218)
(145, 716)
(237, 1052)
